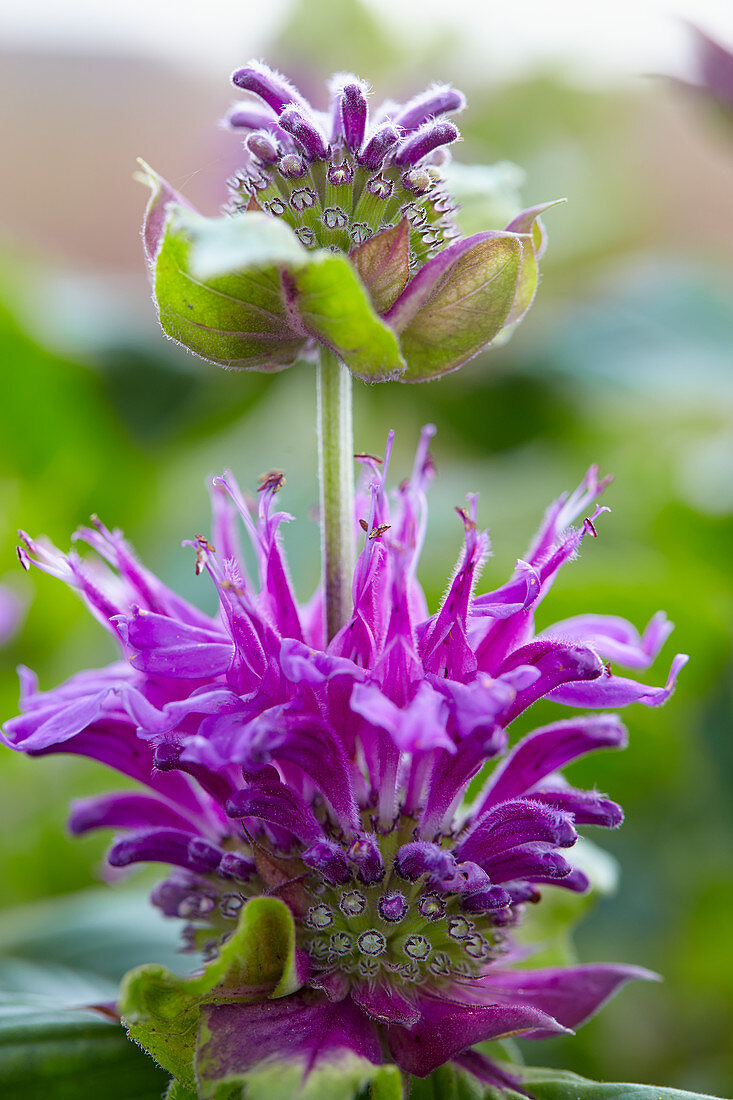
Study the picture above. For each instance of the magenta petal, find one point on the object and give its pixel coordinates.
(569, 994)
(619, 691)
(548, 749)
(513, 823)
(446, 1028)
(308, 1029)
(54, 724)
(124, 810)
(514, 596)
(614, 638)
(385, 1004)
(167, 646)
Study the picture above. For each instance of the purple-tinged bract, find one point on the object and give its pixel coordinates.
(333, 776)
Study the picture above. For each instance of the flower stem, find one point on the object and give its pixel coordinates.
(335, 467)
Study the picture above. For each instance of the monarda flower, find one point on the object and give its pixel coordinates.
(355, 915)
(352, 198)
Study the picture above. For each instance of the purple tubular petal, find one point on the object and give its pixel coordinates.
(424, 141)
(517, 595)
(123, 810)
(446, 1028)
(304, 1029)
(270, 86)
(165, 846)
(548, 749)
(262, 146)
(577, 881)
(385, 1004)
(378, 146)
(418, 727)
(305, 132)
(245, 117)
(557, 664)
(45, 727)
(234, 865)
(486, 901)
(270, 800)
(169, 894)
(514, 823)
(364, 853)
(166, 646)
(430, 104)
(615, 639)
(353, 115)
(329, 859)
(569, 994)
(532, 861)
(303, 665)
(587, 807)
(618, 691)
(421, 858)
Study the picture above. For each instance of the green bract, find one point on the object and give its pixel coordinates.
(243, 292)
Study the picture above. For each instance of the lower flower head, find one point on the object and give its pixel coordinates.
(333, 776)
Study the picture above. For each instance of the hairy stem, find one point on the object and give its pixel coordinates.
(335, 467)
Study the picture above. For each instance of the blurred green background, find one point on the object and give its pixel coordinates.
(625, 360)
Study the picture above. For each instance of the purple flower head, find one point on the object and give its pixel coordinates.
(332, 776)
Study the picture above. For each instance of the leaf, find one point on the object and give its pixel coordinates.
(162, 1010)
(383, 263)
(456, 304)
(69, 1055)
(100, 932)
(529, 227)
(344, 1079)
(218, 288)
(447, 1083)
(242, 292)
(335, 307)
(551, 1084)
(177, 1091)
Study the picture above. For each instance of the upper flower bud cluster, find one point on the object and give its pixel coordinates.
(340, 177)
(339, 234)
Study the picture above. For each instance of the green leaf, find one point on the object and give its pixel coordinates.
(243, 292)
(383, 263)
(447, 1083)
(551, 1084)
(335, 307)
(162, 1010)
(69, 1055)
(344, 1079)
(100, 933)
(177, 1091)
(528, 226)
(463, 312)
(219, 296)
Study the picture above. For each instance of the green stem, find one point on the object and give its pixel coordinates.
(335, 467)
